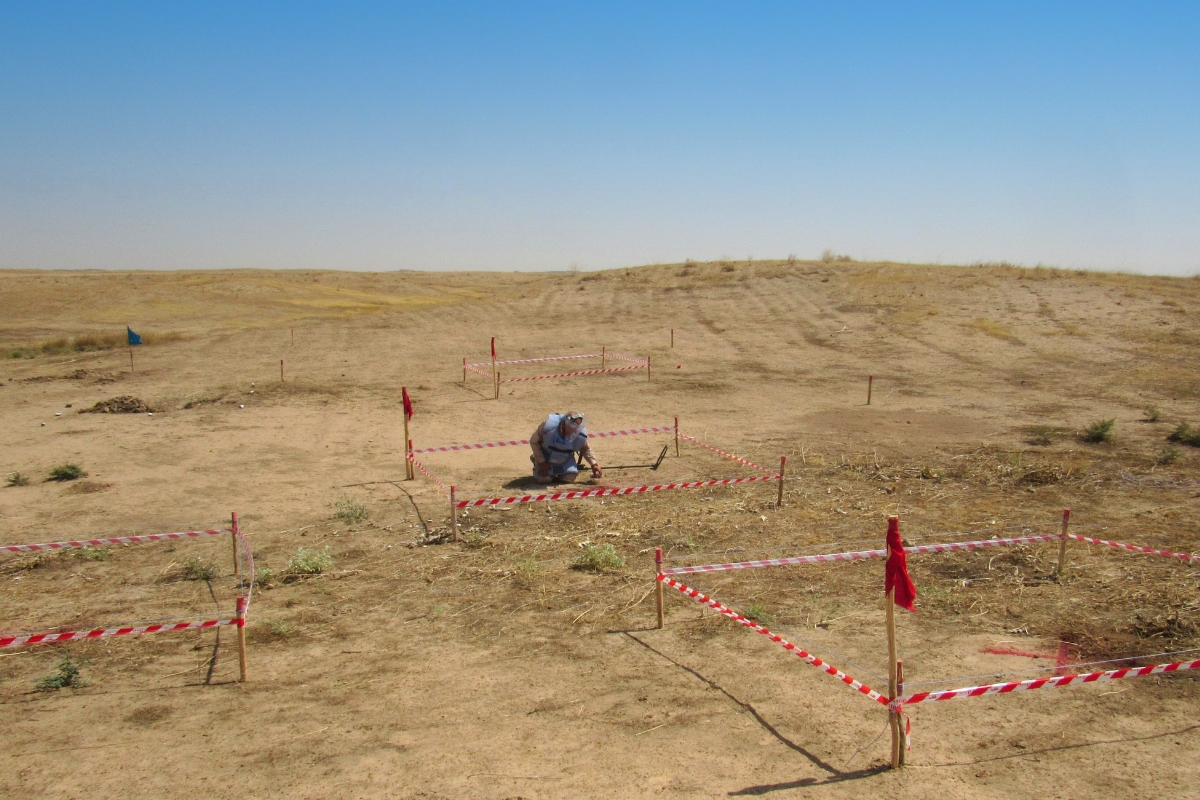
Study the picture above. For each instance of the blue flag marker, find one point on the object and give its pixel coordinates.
(133, 337)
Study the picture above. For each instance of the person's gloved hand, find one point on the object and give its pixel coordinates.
(597, 472)
(542, 470)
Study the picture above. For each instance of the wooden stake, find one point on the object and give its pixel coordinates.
(1062, 544)
(241, 635)
(647, 368)
(495, 375)
(900, 717)
(293, 337)
(497, 386)
(893, 677)
(603, 351)
(237, 564)
(677, 437)
(782, 467)
(453, 513)
(412, 470)
(870, 380)
(658, 592)
(672, 338)
(281, 370)
(408, 467)
(464, 370)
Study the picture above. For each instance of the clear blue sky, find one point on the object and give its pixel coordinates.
(526, 136)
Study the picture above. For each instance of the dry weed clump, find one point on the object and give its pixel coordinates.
(994, 329)
(125, 404)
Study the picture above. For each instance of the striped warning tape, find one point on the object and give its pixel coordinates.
(635, 359)
(858, 555)
(471, 368)
(66, 636)
(451, 448)
(1043, 683)
(722, 452)
(428, 474)
(1170, 554)
(535, 360)
(571, 374)
(575, 495)
(786, 645)
(153, 537)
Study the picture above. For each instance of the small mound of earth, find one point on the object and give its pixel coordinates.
(88, 487)
(126, 404)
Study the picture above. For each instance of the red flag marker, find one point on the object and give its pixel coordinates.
(896, 571)
(408, 406)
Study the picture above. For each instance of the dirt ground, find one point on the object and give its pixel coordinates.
(493, 667)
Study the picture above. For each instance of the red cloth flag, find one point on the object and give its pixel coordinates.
(897, 568)
(408, 409)
(493, 348)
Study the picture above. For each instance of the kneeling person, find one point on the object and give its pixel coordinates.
(555, 443)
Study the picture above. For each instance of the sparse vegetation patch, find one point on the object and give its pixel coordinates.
(599, 558)
(1099, 431)
(66, 675)
(349, 510)
(66, 472)
(16, 479)
(1185, 434)
(310, 561)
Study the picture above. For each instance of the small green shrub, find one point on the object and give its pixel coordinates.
(66, 675)
(66, 472)
(475, 540)
(1185, 434)
(196, 569)
(1041, 435)
(758, 613)
(1151, 414)
(526, 572)
(599, 558)
(263, 575)
(310, 561)
(93, 553)
(349, 510)
(1099, 431)
(1167, 455)
(17, 479)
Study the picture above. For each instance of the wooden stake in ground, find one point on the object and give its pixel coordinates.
(281, 370)
(407, 411)
(603, 352)
(900, 590)
(237, 532)
(893, 677)
(647, 368)
(495, 375)
(131, 369)
(782, 467)
(1062, 544)
(293, 337)
(464, 370)
(870, 380)
(899, 716)
(677, 437)
(497, 386)
(453, 513)
(241, 635)
(658, 592)
(412, 470)
(672, 338)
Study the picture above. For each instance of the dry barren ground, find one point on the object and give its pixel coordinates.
(413, 666)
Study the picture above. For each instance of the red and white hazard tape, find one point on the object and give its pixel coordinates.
(100, 633)
(533, 360)
(471, 368)
(1042, 683)
(153, 537)
(786, 645)
(859, 555)
(539, 498)
(723, 453)
(428, 474)
(634, 359)
(571, 374)
(776, 562)
(451, 448)
(1135, 548)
